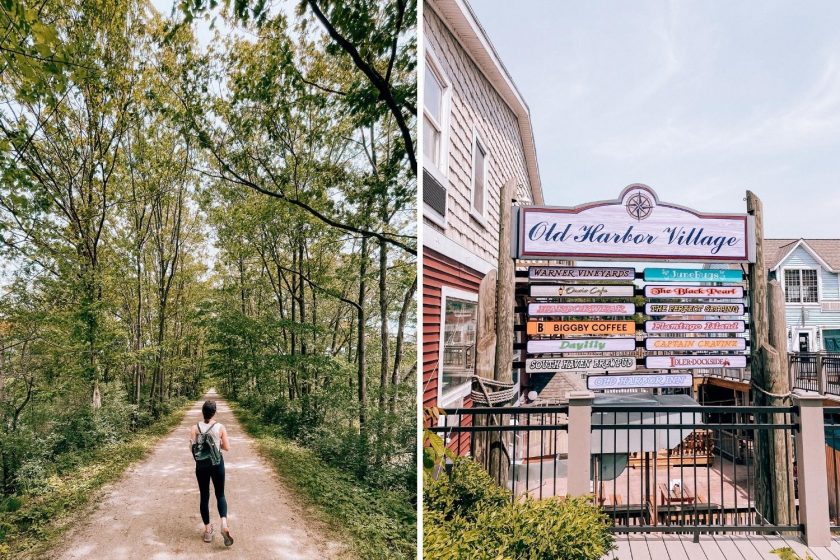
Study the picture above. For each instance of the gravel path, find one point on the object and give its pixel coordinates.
(152, 512)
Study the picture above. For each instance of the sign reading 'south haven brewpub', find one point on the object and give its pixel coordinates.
(585, 364)
(635, 226)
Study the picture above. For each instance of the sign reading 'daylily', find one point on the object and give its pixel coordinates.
(581, 345)
(577, 309)
(694, 309)
(636, 225)
(695, 362)
(708, 344)
(577, 290)
(693, 275)
(639, 381)
(695, 292)
(580, 273)
(585, 364)
(694, 326)
(581, 327)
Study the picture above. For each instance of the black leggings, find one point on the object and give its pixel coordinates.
(204, 473)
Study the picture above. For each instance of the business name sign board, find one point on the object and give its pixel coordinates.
(693, 275)
(694, 292)
(636, 225)
(700, 344)
(574, 273)
(577, 309)
(695, 362)
(577, 290)
(639, 381)
(694, 309)
(581, 345)
(581, 327)
(694, 326)
(583, 364)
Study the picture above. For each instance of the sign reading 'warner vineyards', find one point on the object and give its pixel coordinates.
(580, 273)
(636, 225)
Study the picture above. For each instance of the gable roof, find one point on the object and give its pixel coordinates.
(827, 251)
(462, 21)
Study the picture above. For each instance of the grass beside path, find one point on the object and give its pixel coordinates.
(378, 524)
(34, 528)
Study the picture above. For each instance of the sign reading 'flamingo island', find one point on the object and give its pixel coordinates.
(636, 225)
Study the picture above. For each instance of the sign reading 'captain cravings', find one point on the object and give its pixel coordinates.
(637, 225)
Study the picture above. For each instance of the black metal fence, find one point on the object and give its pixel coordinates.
(668, 469)
(815, 371)
(832, 444)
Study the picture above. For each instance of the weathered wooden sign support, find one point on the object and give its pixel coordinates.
(770, 383)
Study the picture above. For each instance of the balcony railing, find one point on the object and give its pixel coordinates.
(818, 372)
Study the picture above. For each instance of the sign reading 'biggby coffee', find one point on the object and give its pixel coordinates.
(637, 225)
(581, 327)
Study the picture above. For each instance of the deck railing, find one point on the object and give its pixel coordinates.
(669, 469)
(818, 372)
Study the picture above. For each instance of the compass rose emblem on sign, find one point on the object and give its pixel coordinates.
(639, 205)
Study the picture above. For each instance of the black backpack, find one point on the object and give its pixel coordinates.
(205, 450)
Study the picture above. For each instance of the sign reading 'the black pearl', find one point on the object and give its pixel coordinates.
(636, 226)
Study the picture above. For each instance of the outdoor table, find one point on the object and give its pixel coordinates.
(669, 496)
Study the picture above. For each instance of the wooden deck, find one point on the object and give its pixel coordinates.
(713, 547)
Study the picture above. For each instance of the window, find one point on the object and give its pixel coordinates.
(436, 93)
(457, 355)
(479, 179)
(831, 340)
(801, 286)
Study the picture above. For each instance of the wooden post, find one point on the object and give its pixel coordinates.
(768, 333)
(485, 353)
(498, 456)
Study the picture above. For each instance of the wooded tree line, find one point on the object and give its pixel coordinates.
(176, 212)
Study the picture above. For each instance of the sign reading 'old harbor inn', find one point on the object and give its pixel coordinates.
(635, 226)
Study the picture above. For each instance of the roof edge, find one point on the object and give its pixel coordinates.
(459, 17)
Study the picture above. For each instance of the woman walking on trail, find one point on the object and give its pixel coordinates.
(206, 470)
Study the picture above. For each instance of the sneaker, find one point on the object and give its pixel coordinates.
(226, 535)
(208, 535)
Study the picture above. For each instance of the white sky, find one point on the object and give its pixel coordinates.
(699, 100)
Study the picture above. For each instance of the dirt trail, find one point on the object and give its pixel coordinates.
(152, 512)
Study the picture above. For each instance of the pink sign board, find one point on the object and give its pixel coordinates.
(580, 309)
(711, 326)
(695, 292)
(695, 362)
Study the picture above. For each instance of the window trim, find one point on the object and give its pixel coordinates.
(477, 140)
(440, 171)
(801, 292)
(465, 388)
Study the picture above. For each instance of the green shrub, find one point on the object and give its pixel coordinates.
(467, 516)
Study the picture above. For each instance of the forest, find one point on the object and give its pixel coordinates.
(211, 195)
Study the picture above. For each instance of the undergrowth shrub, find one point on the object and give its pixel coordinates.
(467, 516)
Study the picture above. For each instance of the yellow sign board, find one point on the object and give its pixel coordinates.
(581, 327)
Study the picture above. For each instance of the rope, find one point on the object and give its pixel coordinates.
(768, 393)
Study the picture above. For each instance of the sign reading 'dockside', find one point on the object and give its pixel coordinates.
(693, 275)
(707, 344)
(694, 308)
(695, 362)
(586, 364)
(577, 290)
(581, 327)
(580, 273)
(694, 326)
(581, 345)
(695, 292)
(638, 381)
(575, 309)
(637, 225)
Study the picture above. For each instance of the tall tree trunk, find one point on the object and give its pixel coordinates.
(361, 381)
(385, 359)
(395, 373)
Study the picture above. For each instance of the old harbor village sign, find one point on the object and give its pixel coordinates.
(635, 226)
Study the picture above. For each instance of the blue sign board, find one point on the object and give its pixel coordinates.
(693, 275)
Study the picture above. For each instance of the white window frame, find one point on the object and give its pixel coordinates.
(465, 388)
(800, 302)
(441, 170)
(812, 339)
(480, 216)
